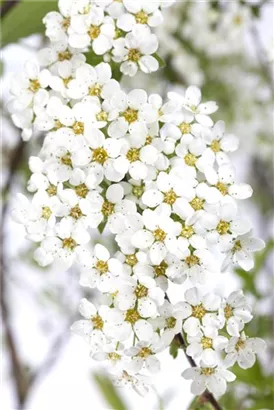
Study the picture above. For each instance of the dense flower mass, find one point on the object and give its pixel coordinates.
(156, 175)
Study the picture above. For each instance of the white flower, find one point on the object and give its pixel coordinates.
(93, 28)
(235, 312)
(224, 224)
(220, 143)
(223, 181)
(243, 350)
(139, 383)
(239, 251)
(64, 246)
(191, 101)
(140, 12)
(38, 216)
(200, 311)
(101, 270)
(143, 354)
(97, 325)
(205, 346)
(135, 113)
(112, 354)
(135, 50)
(212, 378)
(56, 25)
(94, 81)
(170, 320)
(198, 265)
(159, 234)
(104, 152)
(144, 293)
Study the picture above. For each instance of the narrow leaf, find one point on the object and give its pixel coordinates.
(109, 392)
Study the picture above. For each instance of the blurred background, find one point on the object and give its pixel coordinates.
(224, 47)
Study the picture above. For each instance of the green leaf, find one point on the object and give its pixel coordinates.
(25, 19)
(109, 392)
(162, 63)
(93, 59)
(173, 349)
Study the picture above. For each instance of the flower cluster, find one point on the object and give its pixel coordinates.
(154, 174)
(118, 31)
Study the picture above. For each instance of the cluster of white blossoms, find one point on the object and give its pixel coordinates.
(155, 175)
(117, 30)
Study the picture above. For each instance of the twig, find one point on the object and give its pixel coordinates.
(7, 6)
(16, 366)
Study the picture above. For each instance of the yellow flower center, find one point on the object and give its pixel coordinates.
(171, 322)
(197, 203)
(76, 212)
(107, 208)
(69, 243)
(102, 116)
(207, 371)
(130, 115)
(132, 316)
(52, 190)
(222, 188)
(237, 20)
(141, 291)
(228, 311)
(138, 191)
(223, 227)
(66, 23)
(170, 197)
(192, 260)
(198, 311)
(240, 345)
(78, 128)
(100, 155)
(64, 55)
(148, 140)
(215, 146)
(185, 128)
(131, 260)
(160, 270)
(34, 85)
(102, 266)
(190, 160)
(134, 55)
(95, 91)
(94, 32)
(207, 342)
(66, 81)
(187, 232)
(98, 322)
(145, 352)
(133, 154)
(81, 190)
(66, 160)
(141, 17)
(114, 356)
(46, 212)
(237, 246)
(159, 235)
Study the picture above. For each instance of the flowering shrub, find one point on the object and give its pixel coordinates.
(156, 175)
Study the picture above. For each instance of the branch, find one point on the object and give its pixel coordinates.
(16, 366)
(7, 6)
(17, 369)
